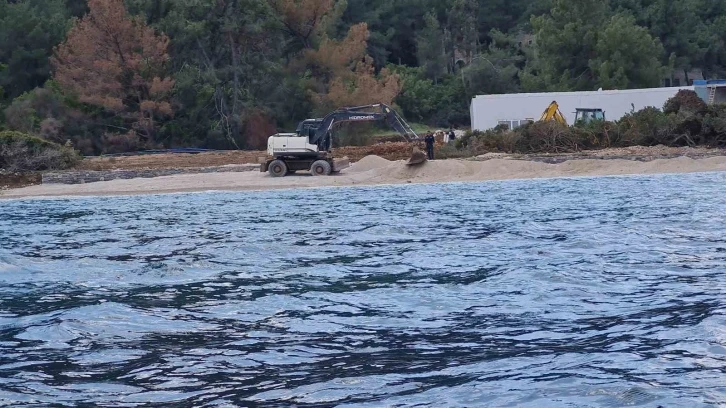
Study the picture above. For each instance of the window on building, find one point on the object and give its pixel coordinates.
(676, 81)
(667, 82)
(513, 124)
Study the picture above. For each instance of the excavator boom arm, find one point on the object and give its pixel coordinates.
(553, 113)
(363, 114)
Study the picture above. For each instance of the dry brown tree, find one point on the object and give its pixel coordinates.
(117, 62)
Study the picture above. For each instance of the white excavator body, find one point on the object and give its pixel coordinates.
(283, 144)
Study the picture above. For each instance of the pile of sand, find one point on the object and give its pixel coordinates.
(369, 163)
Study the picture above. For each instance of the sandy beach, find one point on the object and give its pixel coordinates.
(374, 170)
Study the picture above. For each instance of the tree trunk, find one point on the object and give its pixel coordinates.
(234, 113)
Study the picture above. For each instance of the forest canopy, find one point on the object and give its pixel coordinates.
(115, 75)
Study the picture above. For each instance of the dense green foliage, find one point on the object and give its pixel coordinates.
(685, 121)
(20, 152)
(241, 69)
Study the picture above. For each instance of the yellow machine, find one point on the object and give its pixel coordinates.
(582, 115)
(553, 113)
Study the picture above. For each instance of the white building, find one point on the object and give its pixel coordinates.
(487, 111)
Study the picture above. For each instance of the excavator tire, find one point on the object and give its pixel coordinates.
(277, 168)
(321, 168)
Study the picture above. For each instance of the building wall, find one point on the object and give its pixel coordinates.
(488, 110)
(703, 89)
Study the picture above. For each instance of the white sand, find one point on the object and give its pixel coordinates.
(368, 163)
(375, 170)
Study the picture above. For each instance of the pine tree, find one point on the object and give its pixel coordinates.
(116, 62)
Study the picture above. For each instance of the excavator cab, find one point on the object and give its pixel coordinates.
(308, 127)
(587, 115)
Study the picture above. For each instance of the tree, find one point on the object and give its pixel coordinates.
(337, 58)
(345, 75)
(579, 46)
(442, 104)
(627, 56)
(714, 59)
(28, 32)
(117, 62)
(431, 52)
(3, 67)
(228, 60)
(302, 18)
(462, 24)
(362, 88)
(677, 25)
(393, 27)
(566, 39)
(496, 70)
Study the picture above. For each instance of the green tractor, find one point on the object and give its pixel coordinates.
(587, 115)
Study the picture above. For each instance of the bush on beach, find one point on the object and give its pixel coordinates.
(20, 153)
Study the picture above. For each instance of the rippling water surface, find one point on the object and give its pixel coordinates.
(604, 292)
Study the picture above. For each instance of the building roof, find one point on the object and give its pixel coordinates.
(584, 93)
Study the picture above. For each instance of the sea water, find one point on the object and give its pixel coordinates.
(590, 292)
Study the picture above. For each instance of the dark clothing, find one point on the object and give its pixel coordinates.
(452, 136)
(430, 146)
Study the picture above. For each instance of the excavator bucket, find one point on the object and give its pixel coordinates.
(417, 157)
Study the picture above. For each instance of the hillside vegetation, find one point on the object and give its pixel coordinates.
(114, 75)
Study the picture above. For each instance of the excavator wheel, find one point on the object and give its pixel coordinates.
(320, 168)
(278, 168)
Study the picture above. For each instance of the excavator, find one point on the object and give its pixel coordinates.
(309, 147)
(553, 113)
(582, 115)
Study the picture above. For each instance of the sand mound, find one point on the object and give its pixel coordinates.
(431, 170)
(371, 162)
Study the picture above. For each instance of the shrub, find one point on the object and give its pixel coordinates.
(598, 134)
(449, 151)
(21, 153)
(645, 127)
(47, 113)
(685, 100)
(713, 130)
(547, 137)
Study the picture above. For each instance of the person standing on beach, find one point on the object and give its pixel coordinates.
(429, 139)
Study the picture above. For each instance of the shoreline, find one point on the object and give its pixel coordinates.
(374, 171)
(322, 187)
